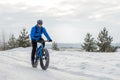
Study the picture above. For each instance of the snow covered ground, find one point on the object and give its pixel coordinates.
(64, 65)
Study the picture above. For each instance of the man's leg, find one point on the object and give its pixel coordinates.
(34, 46)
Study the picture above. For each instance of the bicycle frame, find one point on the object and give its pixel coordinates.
(39, 51)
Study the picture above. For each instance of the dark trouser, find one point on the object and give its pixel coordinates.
(34, 47)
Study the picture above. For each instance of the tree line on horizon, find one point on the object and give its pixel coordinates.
(22, 41)
(102, 44)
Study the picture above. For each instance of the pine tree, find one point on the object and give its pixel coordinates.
(12, 42)
(54, 46)
(104, 42)
(23, 40)
(89, 44)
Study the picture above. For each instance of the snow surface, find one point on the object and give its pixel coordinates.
(64, 65)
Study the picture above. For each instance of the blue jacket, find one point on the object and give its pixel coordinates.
(36, 33)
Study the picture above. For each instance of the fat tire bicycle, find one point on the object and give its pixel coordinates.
(42, 55)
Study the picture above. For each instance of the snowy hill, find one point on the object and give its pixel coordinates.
(64, 65)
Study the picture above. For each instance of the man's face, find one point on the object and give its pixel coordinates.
(39, 25)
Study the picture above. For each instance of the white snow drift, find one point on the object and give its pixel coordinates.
(64, 65)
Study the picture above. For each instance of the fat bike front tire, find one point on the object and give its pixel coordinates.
(44, 61)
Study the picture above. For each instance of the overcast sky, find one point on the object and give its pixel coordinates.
(67, 21)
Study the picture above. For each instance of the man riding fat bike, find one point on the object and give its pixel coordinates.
(36, 36)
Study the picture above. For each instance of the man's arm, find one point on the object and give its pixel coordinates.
(46, 34)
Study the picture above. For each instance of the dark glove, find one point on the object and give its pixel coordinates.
(50, 40)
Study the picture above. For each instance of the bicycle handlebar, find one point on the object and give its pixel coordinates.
(47, 41)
